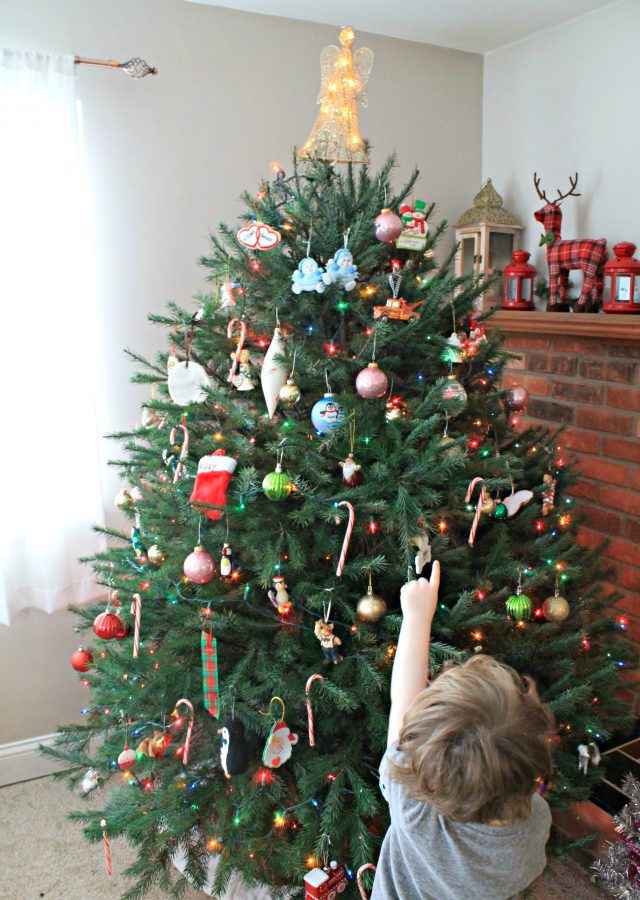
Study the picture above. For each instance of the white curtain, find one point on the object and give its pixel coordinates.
(50, 479)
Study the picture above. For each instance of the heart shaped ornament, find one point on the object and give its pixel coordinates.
(516, 501)
(258, 236)
(188, 383)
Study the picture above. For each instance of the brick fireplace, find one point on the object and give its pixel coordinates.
(583, 372)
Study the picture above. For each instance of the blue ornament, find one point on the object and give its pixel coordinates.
(307, 277)
(326, 415)
(341, 270)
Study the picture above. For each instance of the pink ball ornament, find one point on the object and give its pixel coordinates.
(387, 226)
(199, 566)
(372, 382)
(517, 399)
(127, 759)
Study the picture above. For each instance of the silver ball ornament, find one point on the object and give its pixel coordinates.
(555, 608)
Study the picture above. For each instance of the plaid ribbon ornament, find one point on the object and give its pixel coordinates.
(210, 684)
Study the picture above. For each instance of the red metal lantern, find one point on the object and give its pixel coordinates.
(622, 281)
(518, 282)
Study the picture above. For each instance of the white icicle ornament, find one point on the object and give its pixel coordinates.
(274, 372)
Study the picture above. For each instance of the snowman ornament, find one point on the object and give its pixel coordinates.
(307, 277)
(341, 270)
(234, 748)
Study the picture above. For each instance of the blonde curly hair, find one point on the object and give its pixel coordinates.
(475, 742)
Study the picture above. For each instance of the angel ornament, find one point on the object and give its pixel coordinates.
(336, 133)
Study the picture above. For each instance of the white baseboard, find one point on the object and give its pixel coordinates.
(21, 760)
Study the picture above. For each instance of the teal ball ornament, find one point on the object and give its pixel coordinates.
(519, 606)
(277, 485)
(500, 512)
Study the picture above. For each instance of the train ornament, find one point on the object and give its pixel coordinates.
(327, 883)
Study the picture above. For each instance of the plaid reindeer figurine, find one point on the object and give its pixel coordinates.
(563, 256)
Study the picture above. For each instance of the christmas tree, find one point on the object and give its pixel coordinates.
(620, 869)
(324, 421)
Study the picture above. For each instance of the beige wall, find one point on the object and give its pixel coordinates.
(168, 157)
(562, 102)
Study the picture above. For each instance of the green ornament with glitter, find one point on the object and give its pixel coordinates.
(519, 606)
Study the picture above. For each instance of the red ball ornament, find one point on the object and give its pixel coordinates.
(372, 382)
(81, 660)
(199, 566)
(517, 399)
(387, 226)
(127, 759)
(109, 626)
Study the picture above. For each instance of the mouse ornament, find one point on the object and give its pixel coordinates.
(234, 748)
(328, 641)
(155, 746)
(307, 277)
(279, 745)
(341, 270)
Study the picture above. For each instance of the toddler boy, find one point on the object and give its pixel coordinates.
(460, 772)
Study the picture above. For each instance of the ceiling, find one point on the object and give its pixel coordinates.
(478, 26)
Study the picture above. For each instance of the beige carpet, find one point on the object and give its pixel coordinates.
(42, 855)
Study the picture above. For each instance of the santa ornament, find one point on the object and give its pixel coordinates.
(212, 481)
(279, 745)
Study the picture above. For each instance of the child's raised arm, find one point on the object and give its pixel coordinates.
(419, 600)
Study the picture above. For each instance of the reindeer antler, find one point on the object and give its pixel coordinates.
(571, 193)
(541, 194)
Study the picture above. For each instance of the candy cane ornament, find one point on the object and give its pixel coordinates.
(243, 334)
(481, 499)
(312, 739)
(183, 450)
(136, 611)
(107, 848)
(347, 537)
(187, 740)
(361, 871)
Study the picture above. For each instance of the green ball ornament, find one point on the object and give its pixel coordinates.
(519, 606)
(277, 485)
(500, 512)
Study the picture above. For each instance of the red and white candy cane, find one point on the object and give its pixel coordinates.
(136, 610)
(107, 848)
(481, 498)
(185, 750)
(312, 739)
(347, 537)
(361, 870)
(243, 334)
(183, 450)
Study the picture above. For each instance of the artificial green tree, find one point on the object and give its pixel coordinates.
(418, 453)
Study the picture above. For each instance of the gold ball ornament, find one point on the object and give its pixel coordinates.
(489, 505)
(156, 555)
(290, 392)
(556, 609)
(123, 500)
(371, 607)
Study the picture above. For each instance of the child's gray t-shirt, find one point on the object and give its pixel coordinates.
(427, 857)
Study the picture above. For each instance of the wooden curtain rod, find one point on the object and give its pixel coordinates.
(135, 67)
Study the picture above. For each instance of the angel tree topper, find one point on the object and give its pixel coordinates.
(336, 133)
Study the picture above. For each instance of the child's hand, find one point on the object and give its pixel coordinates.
(420, 598)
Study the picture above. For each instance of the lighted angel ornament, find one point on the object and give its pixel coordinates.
(336, 133)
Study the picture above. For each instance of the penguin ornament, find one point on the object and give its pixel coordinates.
(226, 561)
(234, 749)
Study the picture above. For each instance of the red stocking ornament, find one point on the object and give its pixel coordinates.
(212, 481)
